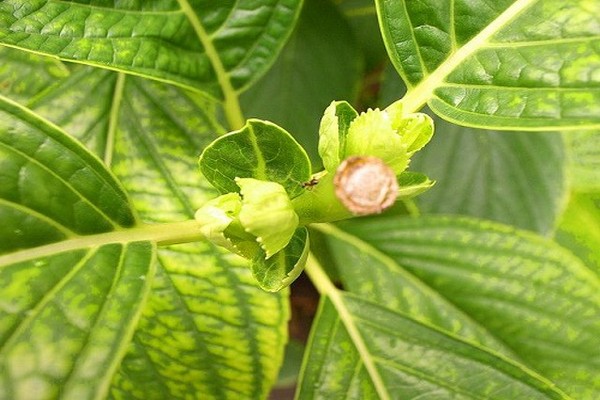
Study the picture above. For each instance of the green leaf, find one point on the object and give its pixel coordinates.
(67, 336)
(360, 350)
(415, 129)
(267, 213)
(151, 135)
(579, 228)
(207, 329)
(261, 150)
(332, 133)
(306, 77)
(584, 160)
(279, 271)
(216, 215)
(372, 133)
(411, 184)
(526, 64)
(533, 295)
(219, 48)
(25, 75)
(509, 177)
(51, 189)
(64, 331)
(202, 301)
(366, 271)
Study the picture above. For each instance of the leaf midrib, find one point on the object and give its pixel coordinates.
(326, 288)
(366, 247)
(74, 190)
(232, 106)
(421, 93)
(162, 234)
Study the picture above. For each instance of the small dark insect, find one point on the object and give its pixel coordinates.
(310, 184)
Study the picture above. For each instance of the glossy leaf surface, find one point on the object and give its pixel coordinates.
(279, 271)
(201, 300)
(505, 65)
(218, 47)
(510, 177)
(261, 150)
(51, 189)
(72, 285)
(525, 290)
(387, 355)
(368, 272)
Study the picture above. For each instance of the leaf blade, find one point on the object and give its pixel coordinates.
(392, 356)
(486, 69)
(260, 150)
(501, 278)
(70, 349)
(215, 48)
(510, 177)
(75, 196)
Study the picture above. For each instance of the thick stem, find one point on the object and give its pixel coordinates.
(320, 204)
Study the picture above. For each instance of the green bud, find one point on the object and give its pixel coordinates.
(267, 213)
(333, 131)
(372, 134)
(216, 215)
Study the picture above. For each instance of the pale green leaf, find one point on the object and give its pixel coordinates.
(64, 331)
(411, 184)
(579, 228)
(371, 133)
(360, 350)
(583, 160)
(333, 131)
(24, 75)
(260, 150)
(525, 64)
(216, 215)
(279, 271)
(537, 298)
(217, 47)
(207, 328)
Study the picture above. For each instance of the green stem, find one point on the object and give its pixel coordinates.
(320, 204)
(232, 108)
(162, 234)
(326, 288)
